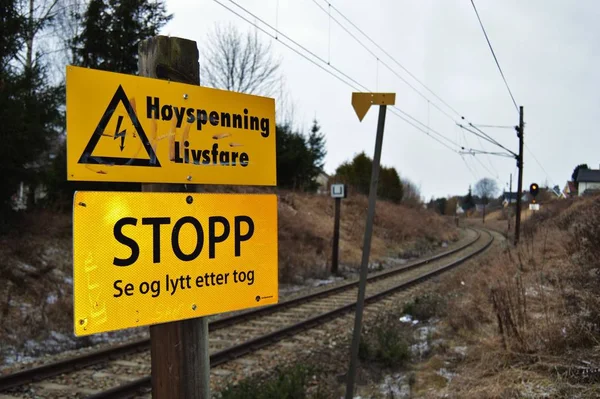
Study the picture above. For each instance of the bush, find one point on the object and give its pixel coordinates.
(387, 343)
(289, 382)
(425, 307)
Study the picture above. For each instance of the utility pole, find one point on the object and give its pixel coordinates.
(179, 350)
(520, 134)
(509, 203)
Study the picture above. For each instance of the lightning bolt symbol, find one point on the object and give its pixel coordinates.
(120, 134)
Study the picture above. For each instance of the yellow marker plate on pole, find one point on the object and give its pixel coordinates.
(147, 258)
(361, 102)
(125, 128)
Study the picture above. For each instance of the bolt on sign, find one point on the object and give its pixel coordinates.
(133, 129)
(147, 258)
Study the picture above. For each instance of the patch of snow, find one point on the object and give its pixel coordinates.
(51, 299)
(422, 347)
(322, 282)
(461, 350)
(395, 386)
(446, 374)
(530, 291)
(444, 244)
(68, 280)
(26, 267)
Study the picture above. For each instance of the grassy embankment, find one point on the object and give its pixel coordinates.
(36, 257)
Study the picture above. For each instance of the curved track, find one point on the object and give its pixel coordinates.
(252, 330)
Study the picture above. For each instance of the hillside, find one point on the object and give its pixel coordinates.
(36, 268)
(518, 322)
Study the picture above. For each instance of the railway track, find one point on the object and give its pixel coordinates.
(126, 367)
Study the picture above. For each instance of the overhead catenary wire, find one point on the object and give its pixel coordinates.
(469, 167)
(288, 46)
(485, 137)
(393, 59)
(328, 12)
(493, 126)
(288, 38)
(349, 81)
(381, 61)
(540, 165)
(494, 55)
(356, 85)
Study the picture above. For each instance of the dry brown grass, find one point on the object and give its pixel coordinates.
(306, 230)
(36, 257)
(531, 315)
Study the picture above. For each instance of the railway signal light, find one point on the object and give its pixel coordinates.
(534, 190)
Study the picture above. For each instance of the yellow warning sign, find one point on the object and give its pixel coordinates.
(146, 258)
(126, 128)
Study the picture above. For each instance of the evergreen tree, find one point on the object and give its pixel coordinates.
(316, 147)
(299, 159)
(468, 201)
(30, 117)
(293, 158)
(389, 186)
(357, 174)
(112, 29)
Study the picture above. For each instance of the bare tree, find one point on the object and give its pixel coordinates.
(237, 62)
(486, 188)
(411, 193)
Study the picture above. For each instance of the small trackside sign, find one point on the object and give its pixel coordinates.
(147, 258)
(338, 191)
(125, 128)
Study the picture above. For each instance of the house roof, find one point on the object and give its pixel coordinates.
(570, 187)
(512, 196)
(588, 175)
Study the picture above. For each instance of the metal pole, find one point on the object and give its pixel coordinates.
(366, 252)
(336, 237)
(520, 133)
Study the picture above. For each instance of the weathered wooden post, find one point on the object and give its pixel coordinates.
(179, 350)
(338, 191)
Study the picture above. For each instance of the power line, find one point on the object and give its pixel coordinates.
(495, 58)
(487, 138)
(424, 131)
(490, 137)
(539, 164)
(469, 167)
(356, 83)
(291, 40)
(489, 158)
(493, 126)
(496, 177)
(392, 58)
(288, 46)
(381, 61)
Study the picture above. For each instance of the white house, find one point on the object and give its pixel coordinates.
(322, 179)
(588, 180)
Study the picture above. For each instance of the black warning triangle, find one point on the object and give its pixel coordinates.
(87, 157)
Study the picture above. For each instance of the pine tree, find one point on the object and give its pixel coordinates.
(468, 201)
(30, 116)
(112, 29)
(317, 151)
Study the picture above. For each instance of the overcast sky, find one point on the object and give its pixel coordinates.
(548, 49)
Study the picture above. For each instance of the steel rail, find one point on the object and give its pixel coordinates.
(50, 370)
(131, 389)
